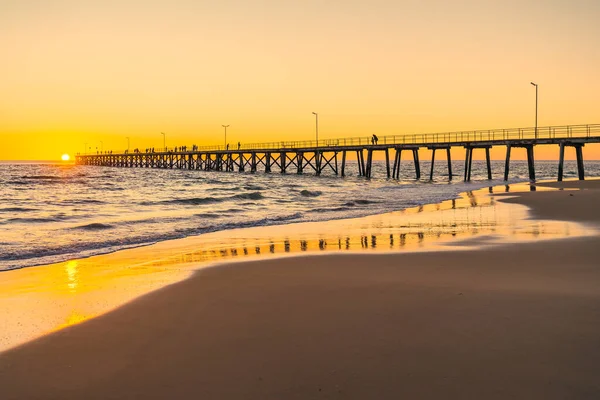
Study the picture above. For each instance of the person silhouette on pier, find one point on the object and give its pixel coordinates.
(227, 146)
(375, 139)
(239, 145)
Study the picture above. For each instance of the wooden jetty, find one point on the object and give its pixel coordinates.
(331, 154)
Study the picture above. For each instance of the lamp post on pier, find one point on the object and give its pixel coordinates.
(317, 127)
(536, 109)
(225, 143)
(164, 141)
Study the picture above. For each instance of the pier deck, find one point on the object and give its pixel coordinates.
(331, 154)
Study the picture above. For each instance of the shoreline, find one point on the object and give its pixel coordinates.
(519, 186)
(88, 253)
(72, 292)
(511, 320)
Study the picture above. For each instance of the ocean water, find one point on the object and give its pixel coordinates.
(55, 212)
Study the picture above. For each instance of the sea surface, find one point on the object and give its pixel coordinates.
(56, 212)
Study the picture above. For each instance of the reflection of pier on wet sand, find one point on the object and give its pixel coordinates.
(426, 227)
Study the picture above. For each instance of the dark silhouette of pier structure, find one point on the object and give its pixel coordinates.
(331, 154)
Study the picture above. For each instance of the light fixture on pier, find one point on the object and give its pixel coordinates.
(225, 126)
(536, 108)
(317, 127)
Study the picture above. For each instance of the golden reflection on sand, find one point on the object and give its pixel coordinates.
(71, 269)
(73, 319)
(43, 299)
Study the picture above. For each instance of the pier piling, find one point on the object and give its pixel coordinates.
(387, 162)
(449, 163)
(561, 161)
(530, 162)
(580, 170)
(417, 165)
(432, 163)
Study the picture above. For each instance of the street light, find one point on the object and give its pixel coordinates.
(317, 127)
(225, 126)
(127, 143)
(164, 141)
(536, 108)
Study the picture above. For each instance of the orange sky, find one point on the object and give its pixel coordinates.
(91, 71)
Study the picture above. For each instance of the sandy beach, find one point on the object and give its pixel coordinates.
(501, 321)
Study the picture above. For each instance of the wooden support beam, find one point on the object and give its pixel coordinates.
(580, 169)
(466, 164)
(432, 163)
(387, 162)
(449, 163)
(507, 162)
(335, 154)
(268, 163)
(343, 171)
(531, 162)
(260, 160)
(489, 162)
(369, 162)
(561, 161)
(397, 163)
(362, 162)
(318, 157)
(300, 162)
(283, 161)
(275, 161)
(470, 163)
(417, 164)
(358, 162)
(253, 166)
(325, 162)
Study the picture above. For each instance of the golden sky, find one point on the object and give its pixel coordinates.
(84, 71)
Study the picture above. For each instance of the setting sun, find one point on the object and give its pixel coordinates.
(65, 157)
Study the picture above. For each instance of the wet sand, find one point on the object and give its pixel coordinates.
(503, 321)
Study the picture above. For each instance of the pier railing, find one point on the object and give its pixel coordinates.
(530, 133)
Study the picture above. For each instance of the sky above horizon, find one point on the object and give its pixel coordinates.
(96, 72)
